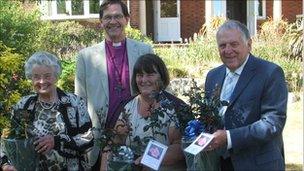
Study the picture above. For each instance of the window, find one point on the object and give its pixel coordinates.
(168, 8)
(94, 6)
(69, 9)
(61, 7)
(261, 10)
(77, 7)
(219, 8)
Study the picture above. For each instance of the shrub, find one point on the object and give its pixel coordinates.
(19, 28)
(66, 38)
(66, 81)
(137, 35)
(13, 84)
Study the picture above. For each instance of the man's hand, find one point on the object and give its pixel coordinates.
(219, 140)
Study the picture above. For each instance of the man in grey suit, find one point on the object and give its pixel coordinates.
(256, 92)
(104, 70)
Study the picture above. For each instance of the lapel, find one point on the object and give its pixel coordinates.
(132, 51)
(220, 79)
(100, 58)
(246, 75)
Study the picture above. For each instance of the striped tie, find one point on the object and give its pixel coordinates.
(228, 87)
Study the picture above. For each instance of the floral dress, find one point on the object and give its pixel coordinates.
(68, 121)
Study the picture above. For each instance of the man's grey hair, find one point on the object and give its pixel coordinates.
(42, 59)
(234, 25)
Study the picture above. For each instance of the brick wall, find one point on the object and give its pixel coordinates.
(192, 17)
(134, 14)
(290, 9)
(269, 13)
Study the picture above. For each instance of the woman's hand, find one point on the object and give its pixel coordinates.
(104, 160)
(8, 167)
(137, 161)
(44, 144)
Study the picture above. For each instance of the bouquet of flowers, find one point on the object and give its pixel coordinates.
(206, 118)
(17, 143)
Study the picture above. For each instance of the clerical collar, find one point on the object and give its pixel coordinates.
(115, 44)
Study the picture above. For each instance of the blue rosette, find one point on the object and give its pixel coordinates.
(193, 129)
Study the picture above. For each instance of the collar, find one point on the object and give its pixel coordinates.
(115, 44)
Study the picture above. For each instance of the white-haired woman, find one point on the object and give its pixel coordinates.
(59, 120)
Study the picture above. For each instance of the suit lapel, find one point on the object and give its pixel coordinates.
(132, 51)
(246, 75)
(101, 62)
(220, 80)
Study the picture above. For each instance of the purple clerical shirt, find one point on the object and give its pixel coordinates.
(118, 75)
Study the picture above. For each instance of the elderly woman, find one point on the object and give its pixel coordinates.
(59, 121)
(150, 79)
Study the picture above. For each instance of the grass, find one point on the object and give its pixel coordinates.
(293, 136)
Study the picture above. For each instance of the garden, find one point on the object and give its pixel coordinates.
(23, 33)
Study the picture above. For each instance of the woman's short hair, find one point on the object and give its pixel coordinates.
(106, 3)
(149, 63)
(44, 59)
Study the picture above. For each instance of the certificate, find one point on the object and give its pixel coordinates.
(199, 143)
(154, 154)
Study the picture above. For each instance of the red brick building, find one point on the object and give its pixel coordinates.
(173, 20)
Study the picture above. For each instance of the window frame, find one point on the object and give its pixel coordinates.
(263, 16)
(52, 14)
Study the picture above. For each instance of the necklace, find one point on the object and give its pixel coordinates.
(46, 105)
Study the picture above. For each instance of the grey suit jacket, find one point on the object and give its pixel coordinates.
(256, 114)
(91, 82)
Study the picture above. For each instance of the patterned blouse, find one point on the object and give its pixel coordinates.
(68, 121)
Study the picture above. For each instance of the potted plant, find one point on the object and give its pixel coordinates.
(207, 119)
(17, 142)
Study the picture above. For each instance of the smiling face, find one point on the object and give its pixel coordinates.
(232, 48)
(148, 83)
(44, 80)
(114, 23)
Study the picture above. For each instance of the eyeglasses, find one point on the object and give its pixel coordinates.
(37, 77)
(109, 18)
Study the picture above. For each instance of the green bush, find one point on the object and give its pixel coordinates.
(66, 38)
(19, 28)
(137, 35)
(66, 81)
(13, 84)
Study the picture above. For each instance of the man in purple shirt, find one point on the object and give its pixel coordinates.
(104, 70)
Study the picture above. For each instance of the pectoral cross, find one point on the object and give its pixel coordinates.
(119, 88)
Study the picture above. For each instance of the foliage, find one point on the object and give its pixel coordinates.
(296, 41)
(273, 44)
(137, 35)
(19, 125)
(19, 27)
(205, 110)
(13, 84)
(66, 81)
(66, 38)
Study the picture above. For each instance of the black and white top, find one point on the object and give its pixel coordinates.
(68, 121)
